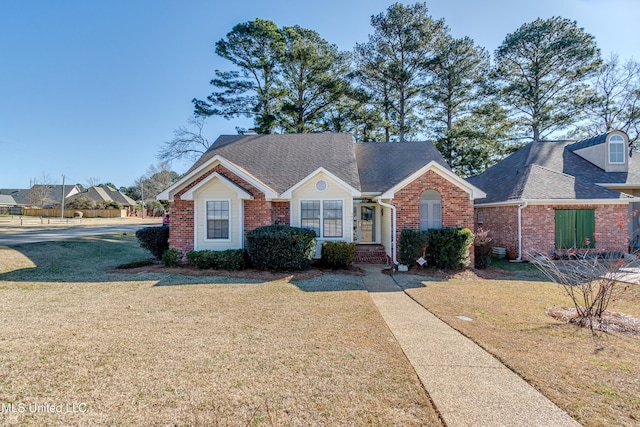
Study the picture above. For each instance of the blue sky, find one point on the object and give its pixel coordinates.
(90, 89)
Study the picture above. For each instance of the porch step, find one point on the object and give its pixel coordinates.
(370, 254)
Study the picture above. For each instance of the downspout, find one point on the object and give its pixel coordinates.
(520, 207)
(393, 236)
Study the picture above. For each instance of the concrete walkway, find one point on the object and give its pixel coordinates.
(468, 386)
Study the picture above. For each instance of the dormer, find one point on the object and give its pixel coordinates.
(608, 151)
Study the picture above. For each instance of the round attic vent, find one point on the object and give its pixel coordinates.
(321, 185)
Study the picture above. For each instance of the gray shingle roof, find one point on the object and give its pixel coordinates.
(6, 200)
(383, 165)
(20, 196)
(282, 160)
(105, 194)
(550, 170)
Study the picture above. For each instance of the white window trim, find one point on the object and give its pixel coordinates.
(206, 221)
(320, 237)
(617, 142)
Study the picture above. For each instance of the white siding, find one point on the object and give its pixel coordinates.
(334, 191)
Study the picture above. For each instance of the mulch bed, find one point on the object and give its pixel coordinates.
(465, 274)
(249, 274)
(611, 321)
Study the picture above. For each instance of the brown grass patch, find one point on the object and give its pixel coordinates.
(595, 378)
(272, 353)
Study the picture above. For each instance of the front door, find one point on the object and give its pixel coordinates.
(364, 223)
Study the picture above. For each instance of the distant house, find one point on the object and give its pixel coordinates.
(560, 195)
(6, 200)
(20, 197)
(345, 191)
(47, 196)
(106, 194)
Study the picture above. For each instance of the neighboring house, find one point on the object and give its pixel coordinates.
(7, 201)
(345, 191)
(44, 195)
(19, 196)
(105, 193)
(559, 195)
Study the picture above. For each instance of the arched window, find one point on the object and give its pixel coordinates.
(430, 210)
(616, 149)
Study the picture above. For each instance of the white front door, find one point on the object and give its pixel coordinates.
(364, 223)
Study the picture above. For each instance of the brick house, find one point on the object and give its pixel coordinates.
(553, 196)
(355, 192)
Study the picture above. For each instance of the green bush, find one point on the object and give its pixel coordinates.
(338, 254)
(281, 247)
(230, 259)
(171, 257)
(154, 239)
(449, 247)
(446, 248)
(412, 245)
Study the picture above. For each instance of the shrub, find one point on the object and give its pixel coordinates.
(230, 259)
(171, 257)
(449, 247)
(338, 254)
(154, 239)
(81, 202)
(281, 247)
(482, 249)
(413, 245)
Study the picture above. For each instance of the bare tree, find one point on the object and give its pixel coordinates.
(616, 103)
(39, 192)
(188, 142)
(589, 279)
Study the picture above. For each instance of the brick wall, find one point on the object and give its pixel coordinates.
(457, 209)
(502, 224)
(281, 213)
(538, 227)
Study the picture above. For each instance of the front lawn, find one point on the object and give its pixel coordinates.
(596, 379)
(159, 349)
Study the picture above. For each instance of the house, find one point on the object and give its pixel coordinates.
(45, 195)
(355, 192)
(20, 197)
(558, 195)
(106, 194)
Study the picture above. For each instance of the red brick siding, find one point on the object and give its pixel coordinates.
(457, 208)
(502, 224)
(281, 213)
(538, 227)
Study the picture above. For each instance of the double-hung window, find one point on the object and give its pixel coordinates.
(218, 220)
(325, 217)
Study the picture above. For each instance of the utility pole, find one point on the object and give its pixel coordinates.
(62, 202)
(142, 194)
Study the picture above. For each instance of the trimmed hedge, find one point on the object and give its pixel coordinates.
(230, 259)
(445, 248)
(171, 257)
(413, 244)
(338, 255)
(154, 239)
(281, 247)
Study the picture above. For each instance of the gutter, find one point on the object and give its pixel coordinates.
(521, 206)
(393, 236)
